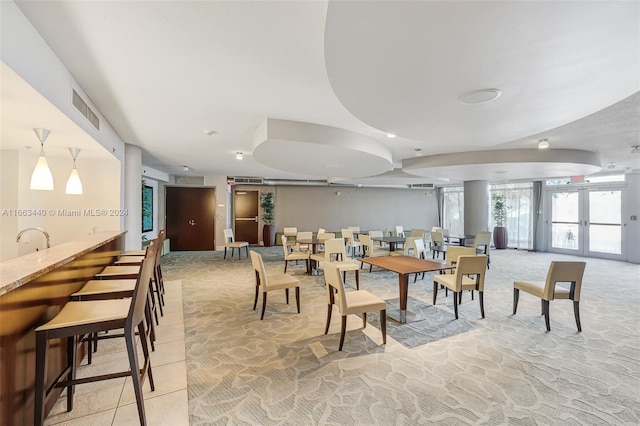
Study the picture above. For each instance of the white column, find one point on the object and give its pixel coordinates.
(133, 196)
(476, 206)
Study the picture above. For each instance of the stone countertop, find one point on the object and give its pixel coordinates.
(16, 272)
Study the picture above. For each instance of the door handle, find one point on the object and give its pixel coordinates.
(192, 222)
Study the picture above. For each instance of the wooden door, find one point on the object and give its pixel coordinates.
(190, 218)
(246, 216)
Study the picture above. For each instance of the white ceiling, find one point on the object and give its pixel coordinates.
(163, 72)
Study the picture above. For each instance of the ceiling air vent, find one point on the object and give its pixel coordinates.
(422, 185)
(84, 109)
(246, 181)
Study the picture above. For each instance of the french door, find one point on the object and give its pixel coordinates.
(585, 222)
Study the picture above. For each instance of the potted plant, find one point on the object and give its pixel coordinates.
(269, 229)
(500, 235)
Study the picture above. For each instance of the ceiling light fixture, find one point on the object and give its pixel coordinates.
(185, 168)
(41, 178)
(239, 155)
(611, 165)
(636, 149)
(543, 143)
(481, 96)
(417, 152)
(391, 135)
(74, 185)
(209, 132)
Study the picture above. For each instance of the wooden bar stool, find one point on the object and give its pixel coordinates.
(77, 319)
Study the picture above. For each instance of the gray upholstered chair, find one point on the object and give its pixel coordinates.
(271, 282)
(570, 273)
(352, 302)
(469, 275)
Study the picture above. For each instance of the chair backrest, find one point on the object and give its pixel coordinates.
(321, 231)
(375, 234)
(565, 272)
(325, 236)
(409, 246)
(347, 234)
(333, 279)
(335, 246)
(290, 231)
(436, 238)
(471, 266)
(367, 245)
(258, 268)
(283, 238)
(140, 291)
(444, 232)
(453, 252)
(228, 235)
(419, 250)
(482, 241)
(354, 228)
(399, 231)
(436, 229)
(304, 235)
(417, 232)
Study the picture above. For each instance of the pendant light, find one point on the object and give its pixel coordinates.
(41, 178)
(74, 185)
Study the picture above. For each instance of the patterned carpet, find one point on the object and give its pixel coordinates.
(503, 369)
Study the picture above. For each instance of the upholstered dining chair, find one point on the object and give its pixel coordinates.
(293, 255)
(352, 302)
(291, 233)
(399, 231)
(335, 253)
(78, 319)
(350, 242)
(230, 242)
(469, 275)
(270, 282)
(482, 244)
(370, 250)
(376, 234)
(303, 235)
(559, 272)
(437, 239)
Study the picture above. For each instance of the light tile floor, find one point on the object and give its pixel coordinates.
(112, 402)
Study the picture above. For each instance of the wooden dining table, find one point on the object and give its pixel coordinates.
(404, 266)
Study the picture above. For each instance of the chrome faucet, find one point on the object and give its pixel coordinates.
(46, 234)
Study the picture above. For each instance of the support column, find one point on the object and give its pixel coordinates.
(476, 206)
(133, 196)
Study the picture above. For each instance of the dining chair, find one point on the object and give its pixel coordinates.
(78, 319)
(559, 272)
(335, 253)
(354, 228)
(399, 231)
(271, 282)
(290, 233)
(437, 239)
(370, 250)
(469, 275)
(376, 234)
(293, 255)
(303, 235)
(230, 242)
(351, 243)
(482, 244)
(352, 302)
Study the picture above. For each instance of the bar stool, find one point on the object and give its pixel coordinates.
(77, 319)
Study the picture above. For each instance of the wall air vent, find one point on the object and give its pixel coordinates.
(422, 185)
(84, 109)
(246, 180)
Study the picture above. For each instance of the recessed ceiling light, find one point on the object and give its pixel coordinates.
(611, 165)
(543, 143)
(209, 132)
(417, 152)
(481, 96)
(239, 155)
(185, 168)
(391, 135)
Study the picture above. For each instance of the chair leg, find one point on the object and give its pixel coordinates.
(364, 320)
(145, 351)
(246, 249)
(516, 296)
(255, 300)
(286, 292)
(225, 253)
(460, 297)
(383, 325)
(298, 298)
(285, 266)
(344, 276)
(71, 362)
(435, 292)
(41, 373)
(481, 298)
(545, 312)
(342, 332)
(576, 313)
(455, 304)
(357, 280)
(326, 328)
(130, 339)
(264, 303)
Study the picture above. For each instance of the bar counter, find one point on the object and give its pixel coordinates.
(33, 289)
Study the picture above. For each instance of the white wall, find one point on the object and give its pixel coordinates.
(221, 219)
(8, 201)
(631, 207)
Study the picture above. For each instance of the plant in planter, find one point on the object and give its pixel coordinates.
(269, 229)
(500, 235)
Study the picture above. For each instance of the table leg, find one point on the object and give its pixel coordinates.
(392, 246)
(403, 283)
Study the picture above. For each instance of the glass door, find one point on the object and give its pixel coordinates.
(586, 222)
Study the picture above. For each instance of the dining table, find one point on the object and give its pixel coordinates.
(460, 238)
(314, 243)
(404, 266)
(392, 241)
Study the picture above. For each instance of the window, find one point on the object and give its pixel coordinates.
(453, 210)
(519, 200)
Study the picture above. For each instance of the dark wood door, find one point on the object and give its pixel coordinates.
(190, 218)
(246, 216)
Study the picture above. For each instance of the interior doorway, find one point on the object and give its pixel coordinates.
(586, 222)
(190, 218)
(246, 216)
